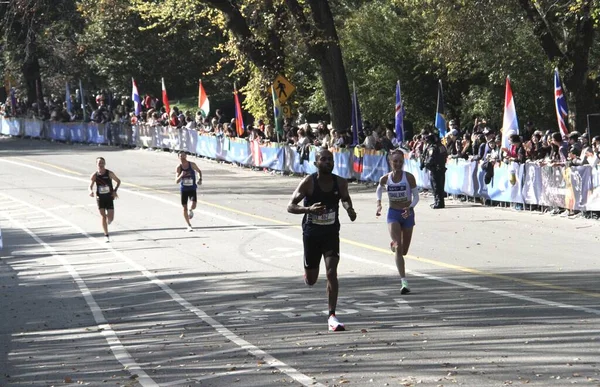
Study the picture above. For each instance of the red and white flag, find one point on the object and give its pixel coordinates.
(203, 103)
(510, 125)
(165, 98)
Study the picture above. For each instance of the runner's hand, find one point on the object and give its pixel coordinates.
(316, 208)
(352, 214)
(91, 194)
(406, 213)
(378, 213)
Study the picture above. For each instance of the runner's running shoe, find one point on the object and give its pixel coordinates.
(393, 246)
(306, 281)
(404, 289)
(190, 229)
(334, 324)
(190, 214)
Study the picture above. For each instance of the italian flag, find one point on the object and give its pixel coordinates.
(203, 103)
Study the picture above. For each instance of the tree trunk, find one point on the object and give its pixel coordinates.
(323, 43)
(32, 78)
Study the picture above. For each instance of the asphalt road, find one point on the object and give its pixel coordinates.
(498, 297)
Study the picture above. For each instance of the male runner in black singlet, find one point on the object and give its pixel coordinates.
(105, 193)
(322, 192)
(185, 176)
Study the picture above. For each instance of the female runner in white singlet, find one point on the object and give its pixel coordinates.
(403, 196)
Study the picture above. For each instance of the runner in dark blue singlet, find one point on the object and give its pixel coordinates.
(322, 192)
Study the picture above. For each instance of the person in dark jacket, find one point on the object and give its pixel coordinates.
(434, 159)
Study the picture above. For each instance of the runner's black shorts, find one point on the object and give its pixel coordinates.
(316, 246)
(105, 202)
(191, 195)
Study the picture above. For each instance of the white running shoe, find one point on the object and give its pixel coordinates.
(190, 214)
(106, 239)
(109, 222)
(334, 324)
(190, 229)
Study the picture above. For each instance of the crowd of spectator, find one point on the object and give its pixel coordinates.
(477, 143)
(481, 143)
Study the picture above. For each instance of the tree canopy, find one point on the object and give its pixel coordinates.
(321, 46)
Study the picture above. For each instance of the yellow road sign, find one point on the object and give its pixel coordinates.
(287, 111)
(283, 88)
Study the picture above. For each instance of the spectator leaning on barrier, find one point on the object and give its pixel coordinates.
(560, 150)
(573, 141)
(591, 158)
(387, 142)
(516, 152)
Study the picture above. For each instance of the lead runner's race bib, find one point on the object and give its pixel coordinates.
(188, 181)
(103, 189)
(325, 219)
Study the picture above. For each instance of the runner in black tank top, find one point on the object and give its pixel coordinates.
(105, 193)
(185, 176)
(322, 193)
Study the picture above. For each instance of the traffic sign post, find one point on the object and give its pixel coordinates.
(283, 88)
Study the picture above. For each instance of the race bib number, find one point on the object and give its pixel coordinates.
(103, 189)
(325, 219)
(398, 194)
(188, 181)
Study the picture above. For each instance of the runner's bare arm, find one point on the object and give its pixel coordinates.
(345, 198)
(92, 181)
(197, 169)
(300, 193)
(117, 180)
(178, 174)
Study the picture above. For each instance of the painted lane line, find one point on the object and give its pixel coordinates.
(371, 262)
(115, 345)
(220, 328)
(363, 260)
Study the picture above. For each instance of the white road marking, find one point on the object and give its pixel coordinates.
(280, 235)
(243, 343)
(117, 348)
(224, 331)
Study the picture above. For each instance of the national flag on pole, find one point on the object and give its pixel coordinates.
(135, 97)
(440, 114)
(165, 98)
(510, 125)
(68, 98)
(560, 102)
(357, 124)
(359, 159)
(203, 103)
(239, 120)
(399, 115)
(82, 95)
(277, 113)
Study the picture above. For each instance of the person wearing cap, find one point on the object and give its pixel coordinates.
(434, 159)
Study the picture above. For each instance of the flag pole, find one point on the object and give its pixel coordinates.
(355, 129)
